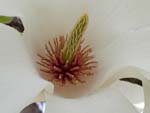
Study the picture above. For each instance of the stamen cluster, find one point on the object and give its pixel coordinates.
(65, 59)
(60, 71)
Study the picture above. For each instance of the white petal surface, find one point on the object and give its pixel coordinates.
(52, 18)
(146, 94)
(19, 80)
(86, 104)
(118, 30)
(132, 72)
(106, 101)
(132, 92)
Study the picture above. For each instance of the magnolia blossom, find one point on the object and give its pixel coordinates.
(119, 34)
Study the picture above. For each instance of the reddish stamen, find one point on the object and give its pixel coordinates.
(57, 70)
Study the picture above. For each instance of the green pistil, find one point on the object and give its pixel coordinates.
(74, 39)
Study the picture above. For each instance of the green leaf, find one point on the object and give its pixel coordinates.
(14, 22)
(5, 19)
(17, 24)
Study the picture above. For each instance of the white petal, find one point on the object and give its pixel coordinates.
(98, 99)
(51, 18)
(118, 30)
(132, 48)
(82, 104)
(146, 84)
(132, 72)
(106, 101)
(44, 94)
(130, 91)
(19, 80)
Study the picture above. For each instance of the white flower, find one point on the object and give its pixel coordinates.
(118, 32)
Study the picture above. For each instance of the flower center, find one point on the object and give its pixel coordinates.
(67, 59)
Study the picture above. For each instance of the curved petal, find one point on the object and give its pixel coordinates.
(146, 94)
(103, 100)
(132, 92)
(52, 18)
(131, 49)
(132, 72)
(19, 80)
(106, 101)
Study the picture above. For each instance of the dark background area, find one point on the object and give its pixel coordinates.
(32, 108)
